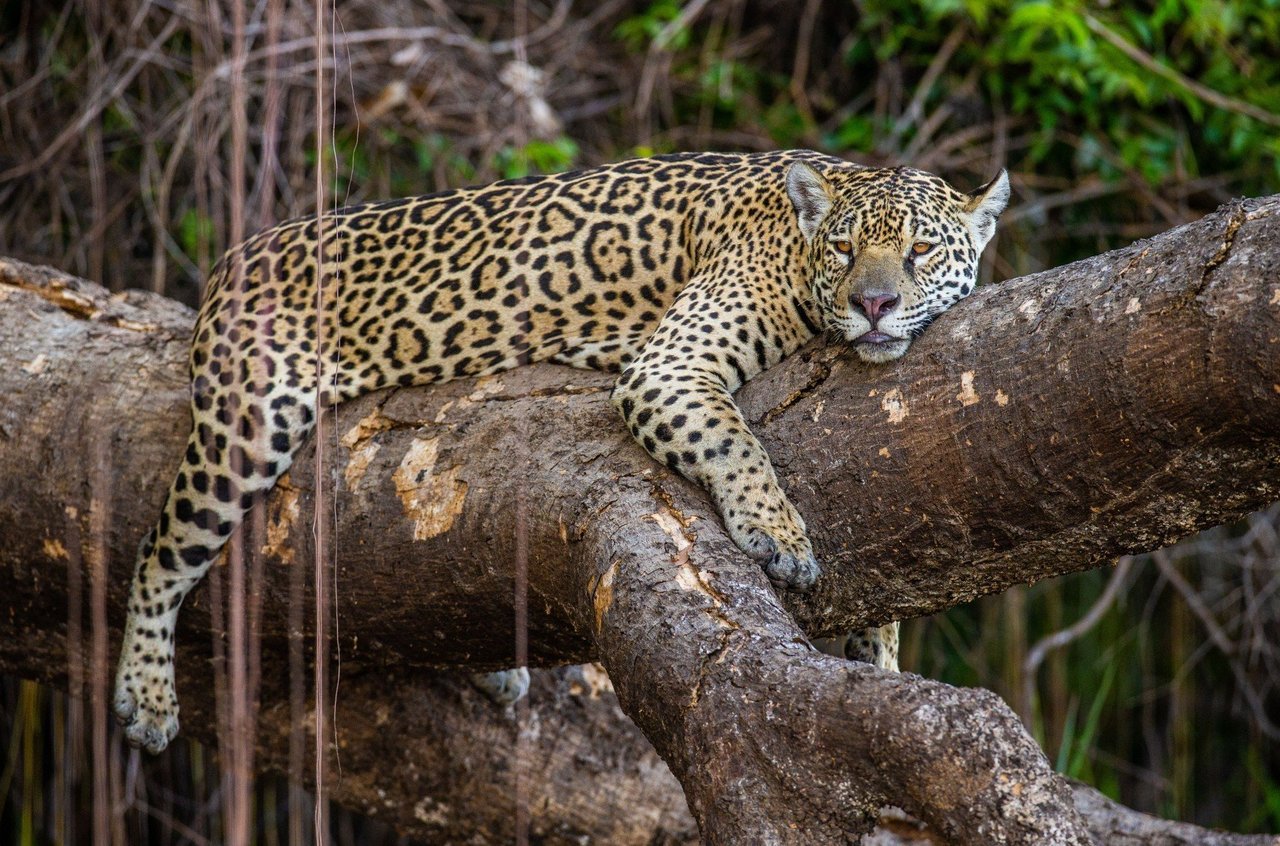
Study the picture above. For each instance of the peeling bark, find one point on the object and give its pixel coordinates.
(1044, 426)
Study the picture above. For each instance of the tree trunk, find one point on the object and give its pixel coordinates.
(1111, 406)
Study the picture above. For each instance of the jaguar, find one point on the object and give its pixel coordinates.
(685, 274)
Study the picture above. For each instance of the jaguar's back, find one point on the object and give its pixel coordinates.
(575, 268)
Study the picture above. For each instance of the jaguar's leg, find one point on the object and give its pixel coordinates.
(240, 445)
(876, 645)
(676, 398)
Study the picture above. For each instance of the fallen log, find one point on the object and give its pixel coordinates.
(1044, 426)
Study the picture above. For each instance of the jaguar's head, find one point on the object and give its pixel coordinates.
(890, 249)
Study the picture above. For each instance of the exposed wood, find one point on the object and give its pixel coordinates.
(1045, 426)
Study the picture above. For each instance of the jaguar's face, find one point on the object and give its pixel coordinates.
(890, 249)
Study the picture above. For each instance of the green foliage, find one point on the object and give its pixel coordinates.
(641, 31)
(195, 232)
(355, 164)
(1116, 92)
(436, 151)
(1078, 742)
(1266, 817)
(1062, 64)
(537, 157)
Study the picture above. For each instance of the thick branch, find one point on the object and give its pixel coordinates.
(1045, 426)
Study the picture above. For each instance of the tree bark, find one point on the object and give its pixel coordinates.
(1044, 426)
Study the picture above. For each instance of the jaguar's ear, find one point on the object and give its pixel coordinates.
(986, 204)
(810, 193)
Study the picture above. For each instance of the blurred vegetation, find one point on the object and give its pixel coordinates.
(48, 784)
(1116, 121)
(1164, 691)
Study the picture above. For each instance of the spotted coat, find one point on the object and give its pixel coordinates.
(686, 274)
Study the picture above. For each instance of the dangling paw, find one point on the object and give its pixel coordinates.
(146, 703)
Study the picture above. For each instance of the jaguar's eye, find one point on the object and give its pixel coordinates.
(921, 247)
(844, 248)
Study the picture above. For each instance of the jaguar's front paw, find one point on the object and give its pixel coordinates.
(786, 556)
(792, 569)
(146, 704)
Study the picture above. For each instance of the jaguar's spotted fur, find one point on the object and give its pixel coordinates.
(689, 274)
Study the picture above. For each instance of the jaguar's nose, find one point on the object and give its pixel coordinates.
(875, 304)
